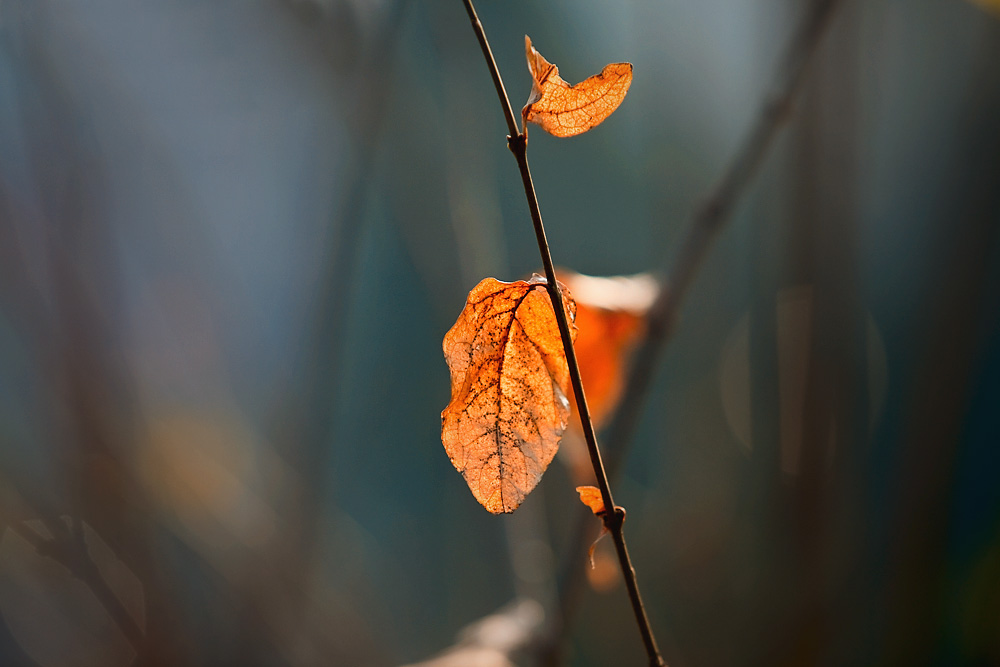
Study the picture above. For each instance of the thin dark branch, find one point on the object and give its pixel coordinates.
(614, 517)
(518, 146)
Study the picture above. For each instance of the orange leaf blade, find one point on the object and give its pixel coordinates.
(591, 497)
(509, 388)
(611, 315)
(563, 110)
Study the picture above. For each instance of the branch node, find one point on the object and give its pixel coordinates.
(613, 520)
(517, 143)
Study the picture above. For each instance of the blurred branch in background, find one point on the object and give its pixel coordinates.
(62, 285)
(69, 549)
(713, 214)
(64, 293)
(304, 426)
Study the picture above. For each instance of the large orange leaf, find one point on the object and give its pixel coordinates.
(564, 110)
(509, 388)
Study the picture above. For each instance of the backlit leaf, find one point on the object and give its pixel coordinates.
(509, 388)
(563, 110)
(591, 497)
(611, 312)
(611, 317)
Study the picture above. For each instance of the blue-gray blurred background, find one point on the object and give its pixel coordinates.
(234, 232)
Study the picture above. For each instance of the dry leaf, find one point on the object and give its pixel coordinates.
(564, 110)
(611, 317)
(591, 497)
(509, 388)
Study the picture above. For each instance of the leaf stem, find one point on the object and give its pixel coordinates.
(614, 518)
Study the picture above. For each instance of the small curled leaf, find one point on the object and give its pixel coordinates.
(591, 497)
(563, 110)
(509, 388)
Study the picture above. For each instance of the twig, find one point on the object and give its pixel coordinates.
(69, 549)
(614, 517)
(705, 224)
